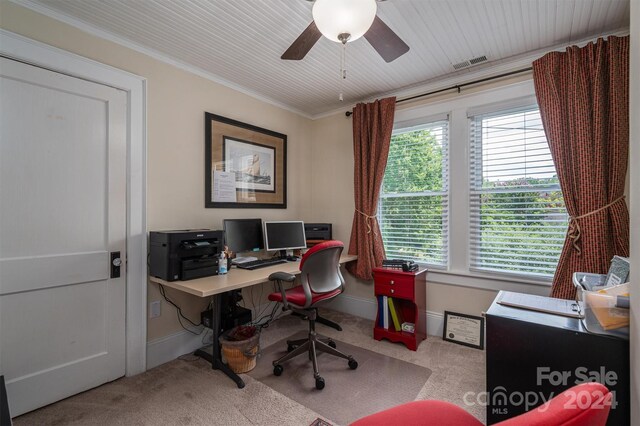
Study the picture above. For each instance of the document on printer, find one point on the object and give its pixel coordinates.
(224, 187)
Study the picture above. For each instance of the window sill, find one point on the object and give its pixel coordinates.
(487, 281)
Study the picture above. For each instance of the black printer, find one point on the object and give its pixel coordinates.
(317, 231)
(185, 255)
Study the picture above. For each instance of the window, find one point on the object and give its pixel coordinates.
(518, 218)
(413, 208)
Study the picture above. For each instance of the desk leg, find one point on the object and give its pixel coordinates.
(215, 358)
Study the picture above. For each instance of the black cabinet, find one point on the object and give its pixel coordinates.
(533, 356)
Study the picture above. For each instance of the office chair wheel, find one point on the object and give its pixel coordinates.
(319, 383)
(353, 364)
(332, 344)
(277, 370)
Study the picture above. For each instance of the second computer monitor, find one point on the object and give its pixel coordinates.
(284, 235)
(242, 235)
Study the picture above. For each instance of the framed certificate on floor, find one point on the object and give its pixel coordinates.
(467, 330)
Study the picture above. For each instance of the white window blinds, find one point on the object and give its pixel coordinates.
(413, 211)
(518, 218)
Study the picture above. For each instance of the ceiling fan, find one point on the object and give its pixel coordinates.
(344, 21)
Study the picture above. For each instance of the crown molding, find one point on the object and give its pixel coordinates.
(106, 35)
(482, 71)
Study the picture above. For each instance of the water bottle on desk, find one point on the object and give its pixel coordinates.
(222, 264)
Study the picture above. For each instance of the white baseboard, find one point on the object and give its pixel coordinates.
(435, 323)
(368, 308)
(363, 308)
(170, 347)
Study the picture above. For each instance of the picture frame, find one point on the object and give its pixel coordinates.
(463, 329)
(245, 165)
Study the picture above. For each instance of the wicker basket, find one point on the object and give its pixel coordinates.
(240, 355)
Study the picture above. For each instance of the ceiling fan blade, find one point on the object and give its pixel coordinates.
(385, 41)
(303, 43)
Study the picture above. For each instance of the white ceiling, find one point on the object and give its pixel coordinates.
(239, 42)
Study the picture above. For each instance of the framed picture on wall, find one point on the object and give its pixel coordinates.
(245, 165)
(252, 163)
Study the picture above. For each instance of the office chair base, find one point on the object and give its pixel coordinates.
(312, 345)
(328, 323)
(292, 344)
(277, 370)
(321, 320)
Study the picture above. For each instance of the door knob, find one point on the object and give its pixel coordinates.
(116, 261)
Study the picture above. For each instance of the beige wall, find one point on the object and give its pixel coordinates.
(176, 104)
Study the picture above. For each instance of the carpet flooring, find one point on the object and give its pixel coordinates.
(378, 383)
(187, 391)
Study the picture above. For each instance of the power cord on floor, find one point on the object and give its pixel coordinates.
(266, 320)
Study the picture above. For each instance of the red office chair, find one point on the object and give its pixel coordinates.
(321, 280)
(587, 404)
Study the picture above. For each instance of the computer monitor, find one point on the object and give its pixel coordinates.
(284, 235)
(242, 235)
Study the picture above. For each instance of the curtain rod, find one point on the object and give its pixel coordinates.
(458, 87)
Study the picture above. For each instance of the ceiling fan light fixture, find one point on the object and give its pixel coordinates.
(334, 18)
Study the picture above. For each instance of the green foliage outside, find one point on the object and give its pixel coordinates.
(522, 231)
(523, 228)
(411, 224)
(414, 163)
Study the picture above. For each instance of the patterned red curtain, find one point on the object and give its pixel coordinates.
(372, 126)
(583, 95)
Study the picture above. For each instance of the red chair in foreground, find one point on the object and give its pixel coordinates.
(587, 404)
(320, 280)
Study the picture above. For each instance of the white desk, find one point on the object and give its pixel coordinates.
(236, 278)
(215, 285)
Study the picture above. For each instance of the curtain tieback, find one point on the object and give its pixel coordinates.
(368, 217)
(574, 225)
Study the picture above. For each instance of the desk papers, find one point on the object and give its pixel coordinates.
(603, 304)
(550, 305)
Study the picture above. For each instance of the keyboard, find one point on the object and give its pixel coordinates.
(260, 263)
(239, 260)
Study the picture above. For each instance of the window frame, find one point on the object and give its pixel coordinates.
(457, 107)
(476, 189)
(417, 125)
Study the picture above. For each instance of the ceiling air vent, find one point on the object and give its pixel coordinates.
(461, 65)
(478, 60)
(470, 62)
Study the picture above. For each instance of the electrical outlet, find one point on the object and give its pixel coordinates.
(154, 309)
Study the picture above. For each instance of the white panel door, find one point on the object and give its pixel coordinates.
(62, 212)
